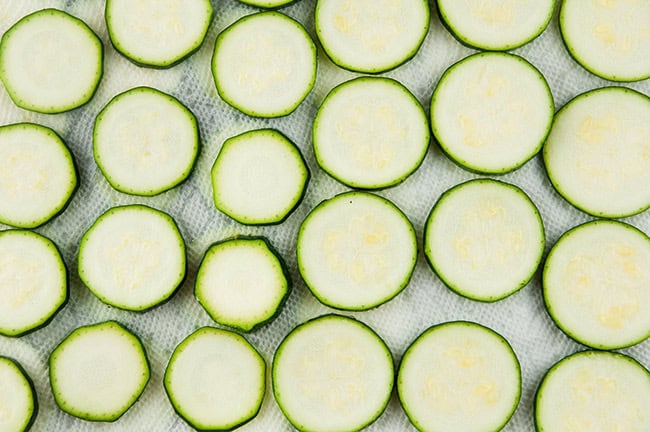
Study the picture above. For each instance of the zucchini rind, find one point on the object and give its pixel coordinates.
(50, 62)
(264, 64)
(33, 282)
(491, 112)
(608, 38)
(242, 282)
(371, 36)
(17, 397)
(145, 141)
(259, 177)
(37, 175)
(332, 373)
(215, 380)
(267, 4)
(370, 133)
(596, 155)
(496, 25)
(459, 376)
(157, 33)
(356, 251)
(132, 257)
(98, 372)
(596, 284)
(594, 390)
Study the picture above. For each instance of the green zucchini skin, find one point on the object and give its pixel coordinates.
(259, 4)
(30, 382)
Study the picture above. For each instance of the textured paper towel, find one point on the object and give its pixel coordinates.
(520, 318)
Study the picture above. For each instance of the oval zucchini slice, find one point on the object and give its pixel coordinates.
(596, 284)
(50, 62)
(17, 397)
(491, 112)
(332, 373)
(459, 376)
(596, 155)
(98, 372)
(132, 257)
(215, 380)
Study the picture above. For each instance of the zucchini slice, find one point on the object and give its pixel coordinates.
(594, 391)
(597, 155)
(264, 64)
(50, 62)
(496, 25)
(259, 177)
(157, 33)
(371, 36)
(459, 376)
(33, 282)
(17, 397)
(215, 380)
(484, 239)
(370, 133)
(491, 112)
(356, 251)
(98, 371)
(596, 283)
(242, 282)
(132, 257)
(608, 38)
(145, 141)
(332, 373)
(267, 4)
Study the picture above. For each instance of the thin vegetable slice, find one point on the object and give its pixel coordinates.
(267, 4)
(17, 397)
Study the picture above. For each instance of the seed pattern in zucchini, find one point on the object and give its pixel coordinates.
(18, 403)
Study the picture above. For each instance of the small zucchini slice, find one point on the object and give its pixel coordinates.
(145, 141)
(596, 155)
(371, 36)
(332, 373)
(594, 390)
(242, 282)
(370, 133)
(17, 397)
(356, 251)
(37, 175)
(264, 64)
(157, 33)
(215, 380)
(50, 62)
(459, 376)
(33, 282)
(484, 239)
(259, 177)
(132, 257)
(491, 112)
(596, 283)
(98, 372)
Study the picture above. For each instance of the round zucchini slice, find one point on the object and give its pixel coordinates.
(33, 282)
(491, 112)
(496, 25)
(98, 372)
(371, 36)
(356, 251)
(332, 373)
(37, 175)
(459, 376)
(267, 4)
(264, 64)
(242, 282)
(50, 62)
(370, 133)
(484, 239)
(594, 390)
(157, 33)
(608, 38)
(145, 142)
(215, 380)
(132, 257)
(597, 156)
(17, 397)
(596, 284)
(259, 177)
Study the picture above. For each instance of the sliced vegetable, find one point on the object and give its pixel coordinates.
(267, 4)
(17, 397)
